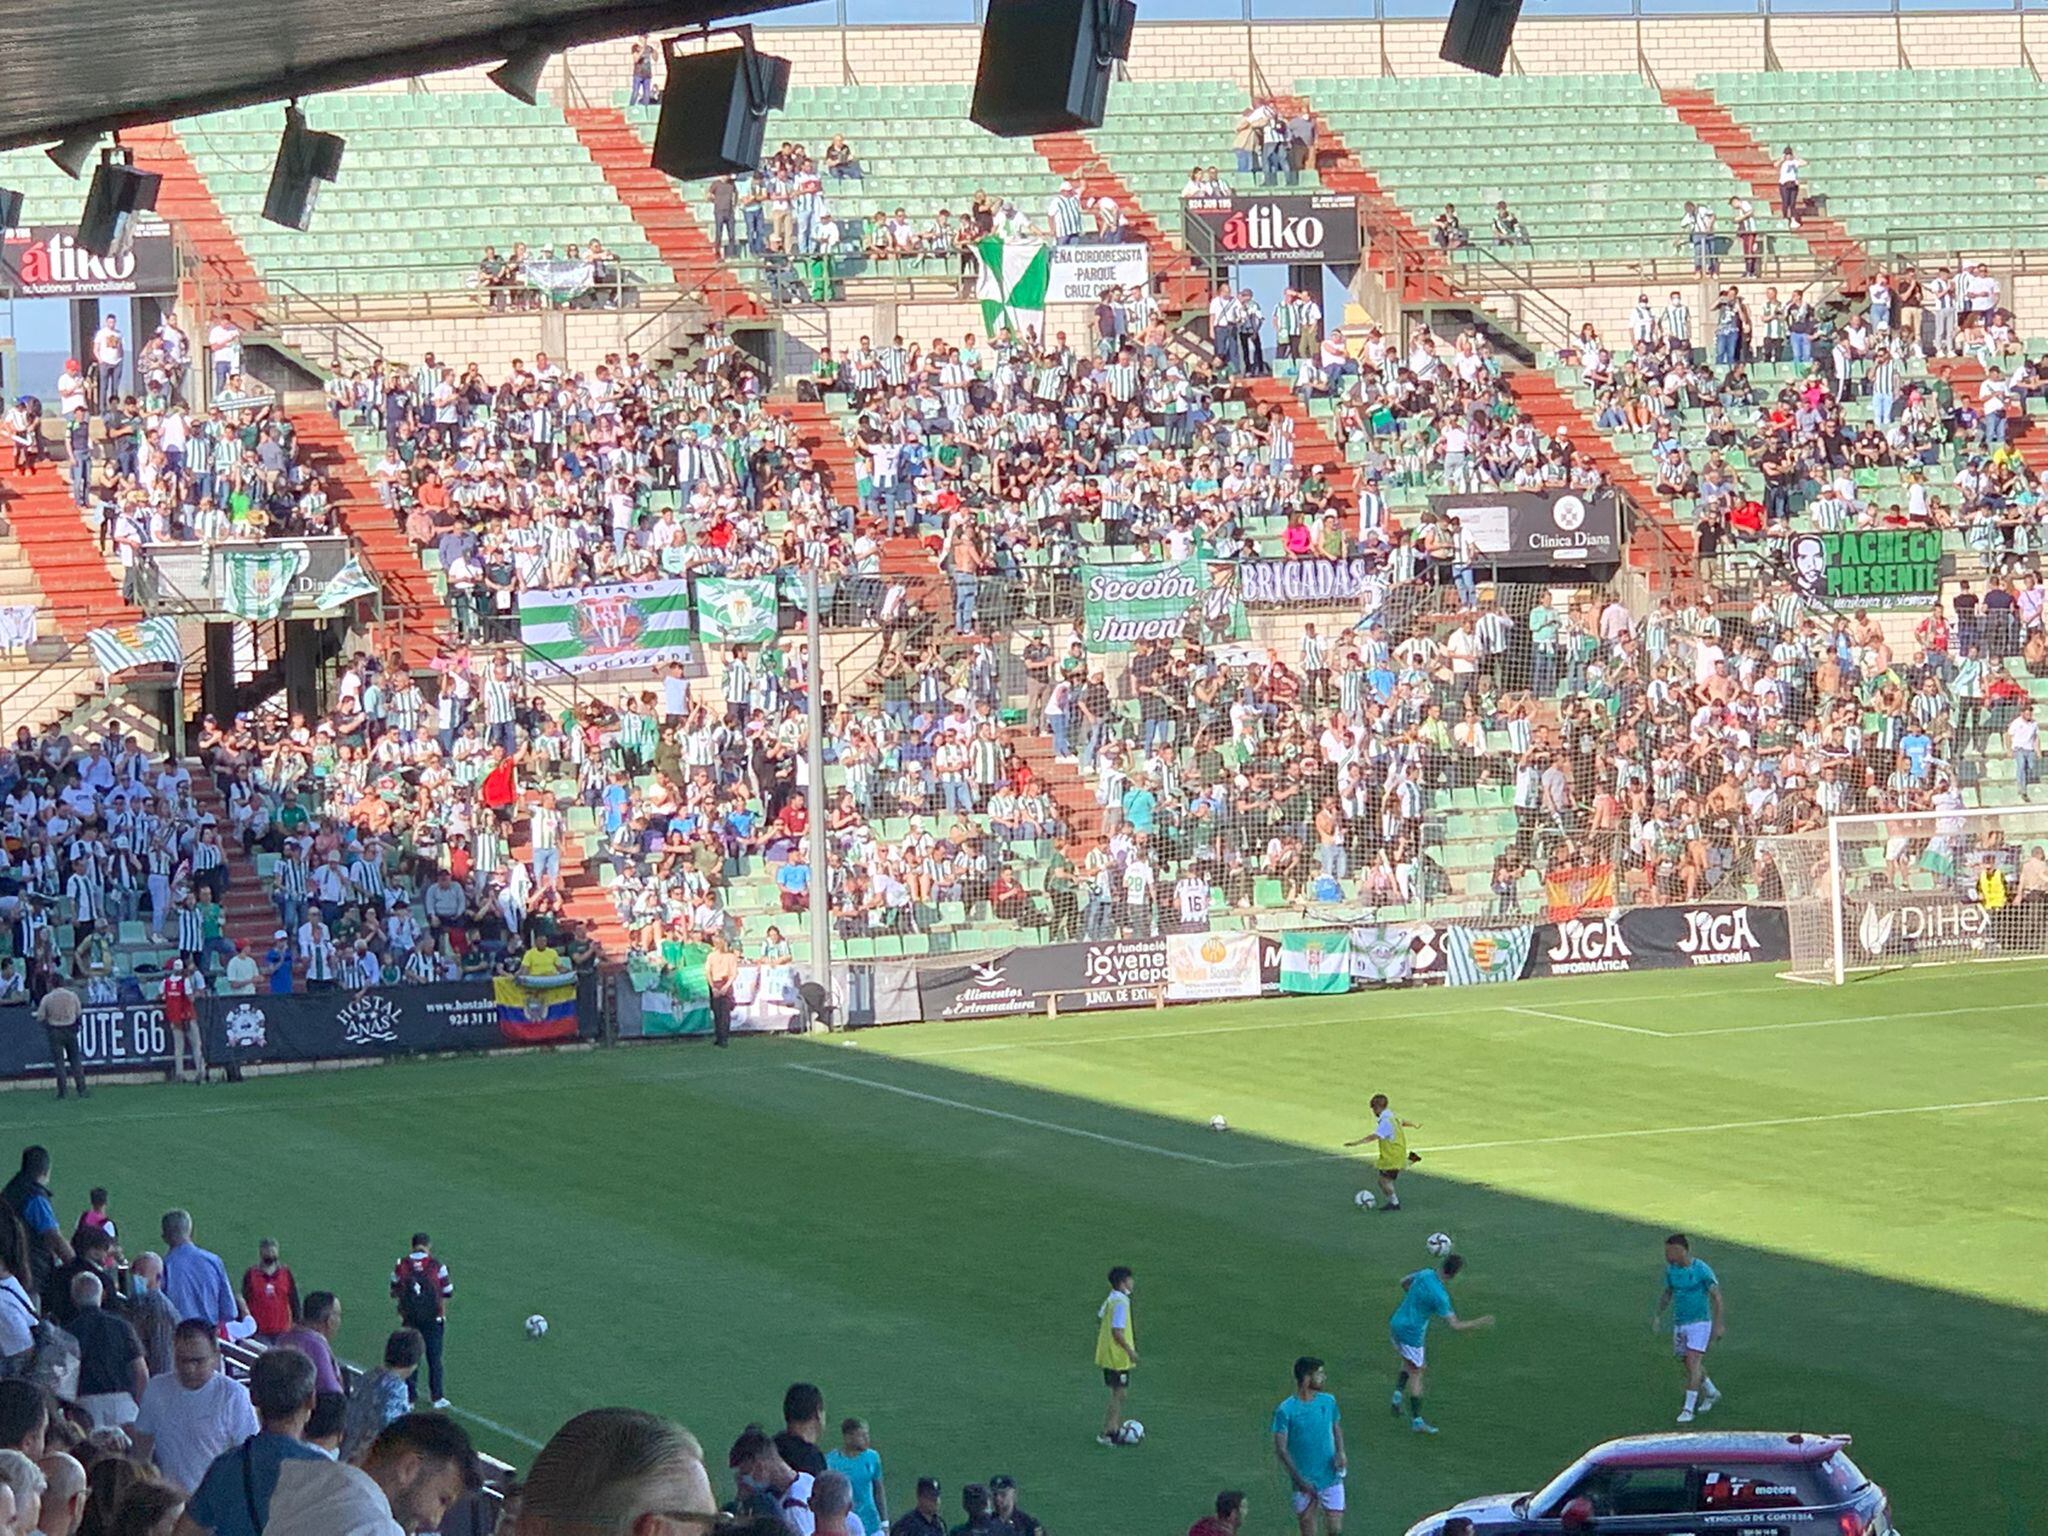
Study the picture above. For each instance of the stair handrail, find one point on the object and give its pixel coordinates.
(370, 349)
(1528, 295)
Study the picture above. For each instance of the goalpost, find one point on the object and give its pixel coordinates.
(1872, 893)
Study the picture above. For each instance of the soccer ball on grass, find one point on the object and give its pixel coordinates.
(1130, 1432)
(1218, 1123)
(536, 1327)
(1366, 1199)
(1439, 1243)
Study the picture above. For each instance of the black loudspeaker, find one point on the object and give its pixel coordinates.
(714, 111)
(118, 193)
(304, 159)
(10, 209)
(1045, 64)
(1479, 34)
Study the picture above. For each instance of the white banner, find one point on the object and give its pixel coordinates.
(1081, 272)
(1204, 965)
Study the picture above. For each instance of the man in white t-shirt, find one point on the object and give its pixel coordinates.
(415, 1469)
(224, 343)
(109, 351)
(2024, 737)
(192, 1412)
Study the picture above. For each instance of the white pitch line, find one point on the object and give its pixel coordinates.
(1862, 1018)
(1004, 1114)
(1678, 1130)
(1572, 1018)
(495, 1427)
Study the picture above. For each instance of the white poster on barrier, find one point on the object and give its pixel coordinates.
(1205, 965)
(1080, 272)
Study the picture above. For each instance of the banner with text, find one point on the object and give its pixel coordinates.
(1080, 272)
(123, 1037)
(1279, 227)
(1532, 528)
(1203, 965)
(1295, 583)
(608, 628)
(1171, 600)
(397, 1021)
(1875, 568)
(1660, 939)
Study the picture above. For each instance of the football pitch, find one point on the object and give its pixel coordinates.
(920, 1219)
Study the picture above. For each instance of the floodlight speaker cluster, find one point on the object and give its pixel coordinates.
(118, 194)
(714, 111)
(10, 208)
(1045, 64)
(1478, 34)
(305, 158)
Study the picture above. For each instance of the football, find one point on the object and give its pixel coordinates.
(1439, 1243)
(1366, 1199)
(1218, 1123)
(536, 1327)
(1130, 1432)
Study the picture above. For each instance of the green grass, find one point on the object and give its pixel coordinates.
(919, 1220)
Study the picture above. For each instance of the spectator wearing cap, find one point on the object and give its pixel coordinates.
(922, 1518)
(974, 1503)
(278, 964)
(1007, 1518)
(761, 1468)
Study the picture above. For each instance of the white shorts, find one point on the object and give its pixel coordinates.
(1691, 1338)
(1412, 1353)
(1331, 1498)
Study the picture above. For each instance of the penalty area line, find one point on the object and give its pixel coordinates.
(1573, 1018)
(1014, 1119)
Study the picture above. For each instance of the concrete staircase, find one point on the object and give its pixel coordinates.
(246, 911)
(658, 206)
(1183, 285)
(409, 595)
(1312, 442)
(1738, 149)
(228, 282)
(61, 552)
(1661, 546)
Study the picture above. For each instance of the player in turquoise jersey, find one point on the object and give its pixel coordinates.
(1693, 1292)
(1428, 1298)
(1308, 1437)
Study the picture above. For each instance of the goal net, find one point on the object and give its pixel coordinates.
(1871, 893)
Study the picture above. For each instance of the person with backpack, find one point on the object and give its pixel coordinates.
(421, 1287)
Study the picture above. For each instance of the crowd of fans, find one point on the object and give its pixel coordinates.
(135, 1408)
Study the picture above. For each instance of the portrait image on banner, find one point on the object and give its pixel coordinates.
(1876, 568)
(1204, 965)
(607, 628)
(1174, 600)
(1482, 956)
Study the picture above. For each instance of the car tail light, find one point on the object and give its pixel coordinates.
(1854, 1524)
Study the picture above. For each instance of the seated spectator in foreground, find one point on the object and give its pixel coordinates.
(407, 1479)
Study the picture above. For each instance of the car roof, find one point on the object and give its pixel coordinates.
(1747, 1445)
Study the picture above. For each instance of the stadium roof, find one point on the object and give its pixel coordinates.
(120, 63)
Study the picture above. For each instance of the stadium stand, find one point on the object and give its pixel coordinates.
(433, 179)
(1596, 166)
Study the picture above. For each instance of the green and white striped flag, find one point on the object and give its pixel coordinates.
(1014, 278)
(608, 628)
(346, 585)
(1476, 956)
(152, 643)
(256, 582)
(1314, 960)
(736, 610)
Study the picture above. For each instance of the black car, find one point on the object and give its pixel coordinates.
(1741, 1483)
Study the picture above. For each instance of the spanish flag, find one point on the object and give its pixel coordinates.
(535, 1010)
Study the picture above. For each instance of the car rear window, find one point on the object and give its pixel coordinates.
(1792, 1485)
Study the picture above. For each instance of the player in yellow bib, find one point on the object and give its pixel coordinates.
(1116, 1350)
(1389, 1136)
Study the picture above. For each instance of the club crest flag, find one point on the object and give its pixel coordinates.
(152, 643)
(1012, 286)
(1382, 955)
(346, 585)
(736, 611)
(608, 628)
(1581, 888)
(1477, 956)
(1315, 960)
(255, 582)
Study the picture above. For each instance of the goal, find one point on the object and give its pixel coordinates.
(1873, 893)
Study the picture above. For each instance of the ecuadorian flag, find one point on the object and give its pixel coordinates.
(535, 1010)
